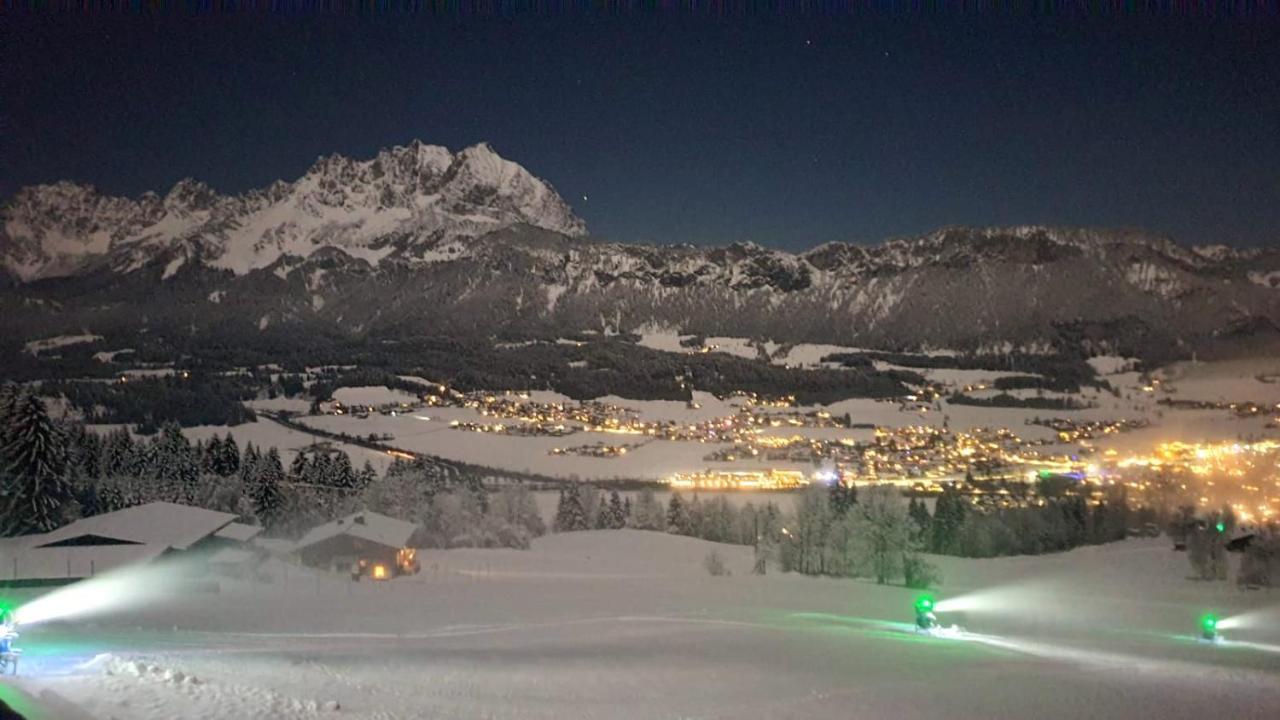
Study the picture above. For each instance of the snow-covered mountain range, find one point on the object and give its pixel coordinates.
(419, 240)
(399, 204)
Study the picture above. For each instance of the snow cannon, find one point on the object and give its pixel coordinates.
(925, 619)
(8, 653)
(1209, 629)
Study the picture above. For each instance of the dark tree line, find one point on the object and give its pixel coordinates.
(1064, 521)
(1066, 369)
(53, 472)
(1005, 400)
(150, 402)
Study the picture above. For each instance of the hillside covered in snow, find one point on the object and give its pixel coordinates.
(422, 241)
(628, 624)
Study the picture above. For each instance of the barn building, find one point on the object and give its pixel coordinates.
(130, 536)
(365, 543)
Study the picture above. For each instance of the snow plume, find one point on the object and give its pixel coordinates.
(119, 590)
(1265, 617)
(1028, 598)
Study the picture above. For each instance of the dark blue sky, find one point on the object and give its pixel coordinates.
(788, 132)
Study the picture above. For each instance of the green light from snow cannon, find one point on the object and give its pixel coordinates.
(925, 619)
(1209, 626)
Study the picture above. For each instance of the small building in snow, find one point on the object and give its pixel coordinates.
(364, 543)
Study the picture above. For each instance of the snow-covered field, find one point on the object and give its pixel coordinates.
(372, 395)
(654, 460)
(35, 347)
(266, 434)
(1229, 381)
(627, 624)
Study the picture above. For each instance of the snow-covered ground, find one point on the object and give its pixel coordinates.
(627, 624)
(1229, 381)
(35, 347)
(654, 460)
(809, 355)
(372, 395)
(707, 407)
(108, 356)
(266, 434)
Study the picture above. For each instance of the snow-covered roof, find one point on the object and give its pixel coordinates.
(239, 532)
(364, 525)
(158, 523)
(37, 563)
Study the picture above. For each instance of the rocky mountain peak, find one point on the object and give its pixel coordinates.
(400, 202)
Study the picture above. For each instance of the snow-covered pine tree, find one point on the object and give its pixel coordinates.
(677, 519)
(300, 468)
(84, 450)
(603, 520)
(648, 513)
(367, 476)
(575, 513)
(36, 492)
(561, 521)
(116, 449)
(249, 467)
(268, 493)
(176, 467)
(230, 464)
(883, 534)
(211, 456)
(8, 396)
(110, 496)
(948, 520)
(693, 511)
(920, 515)
(589, 497)
(617, 514)
(318, 469)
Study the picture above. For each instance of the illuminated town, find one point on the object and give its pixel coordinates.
(994, 467)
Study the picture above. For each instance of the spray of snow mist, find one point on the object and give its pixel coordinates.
(123, 589)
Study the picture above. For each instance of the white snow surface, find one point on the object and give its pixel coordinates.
(627, 624)
(1112, 364)
(374, 395)
(35, 347)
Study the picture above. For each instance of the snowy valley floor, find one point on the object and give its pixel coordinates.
(627, 624)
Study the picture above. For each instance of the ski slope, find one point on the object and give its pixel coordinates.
(627, 624)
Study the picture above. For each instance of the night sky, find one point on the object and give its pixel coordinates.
(787, 132)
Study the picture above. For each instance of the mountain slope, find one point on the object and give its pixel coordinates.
(422, 242)
(400, 203)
